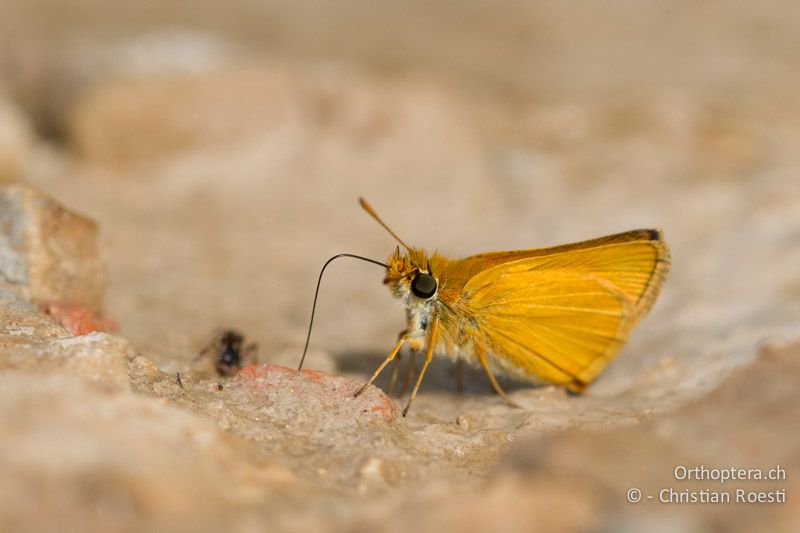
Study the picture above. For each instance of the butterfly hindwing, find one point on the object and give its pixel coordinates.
(561, 314)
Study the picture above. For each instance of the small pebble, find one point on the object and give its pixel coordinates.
(465, 421)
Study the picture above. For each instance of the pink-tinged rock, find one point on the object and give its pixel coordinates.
(32, 343)
(76, 318)
(47, 252)
(279, 386)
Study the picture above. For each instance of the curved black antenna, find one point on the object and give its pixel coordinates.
(316, 293)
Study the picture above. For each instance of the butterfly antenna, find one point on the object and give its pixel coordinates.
(373, 214)
(316, 294)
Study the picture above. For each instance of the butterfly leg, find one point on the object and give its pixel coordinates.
(412, 343)
(432, 332)
(409, 373)
(391, 356)
(395, 372)
(479, 351)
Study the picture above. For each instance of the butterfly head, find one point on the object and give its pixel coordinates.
(408, 276)
(411, 275)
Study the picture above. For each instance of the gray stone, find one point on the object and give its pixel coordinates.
(47, 252)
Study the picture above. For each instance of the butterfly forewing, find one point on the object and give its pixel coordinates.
(560, 314)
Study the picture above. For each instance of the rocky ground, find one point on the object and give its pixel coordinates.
(158, 183)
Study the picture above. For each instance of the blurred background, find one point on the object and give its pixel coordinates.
(222, 148)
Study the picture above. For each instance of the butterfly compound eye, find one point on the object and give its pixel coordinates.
(423, 286)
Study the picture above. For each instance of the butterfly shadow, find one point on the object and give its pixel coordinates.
(440, 376)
